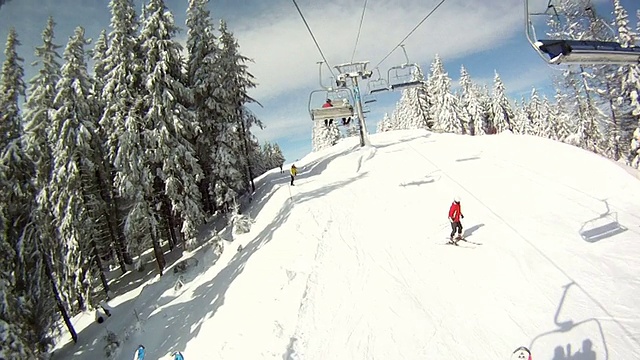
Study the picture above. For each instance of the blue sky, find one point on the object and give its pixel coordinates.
(484, 36)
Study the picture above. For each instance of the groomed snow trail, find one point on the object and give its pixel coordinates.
(385, 287)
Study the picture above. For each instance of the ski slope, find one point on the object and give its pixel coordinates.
(351, 262)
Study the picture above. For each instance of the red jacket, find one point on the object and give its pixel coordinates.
(327, 104)
(455, 211)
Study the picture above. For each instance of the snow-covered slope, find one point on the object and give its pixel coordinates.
(350, 263)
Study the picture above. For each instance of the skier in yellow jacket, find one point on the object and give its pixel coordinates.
(294, 172)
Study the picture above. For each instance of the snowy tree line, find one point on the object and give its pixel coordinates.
(99, 165)
(596, 107)
(326, 135)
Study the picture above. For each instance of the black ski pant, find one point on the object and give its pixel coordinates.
(291, 179)
(456, 225)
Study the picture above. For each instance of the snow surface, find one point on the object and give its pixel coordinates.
(350, 263)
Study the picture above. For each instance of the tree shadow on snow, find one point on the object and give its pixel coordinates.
(601, 227)
(149, 269)
(317, 167)
(186, 318)
(268, 185)
(565, 352)
(123, 319)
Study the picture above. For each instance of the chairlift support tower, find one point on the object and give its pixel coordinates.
(353, 71)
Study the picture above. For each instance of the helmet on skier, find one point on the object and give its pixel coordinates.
(456, 199)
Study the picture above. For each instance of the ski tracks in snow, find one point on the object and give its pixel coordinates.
(379, 308)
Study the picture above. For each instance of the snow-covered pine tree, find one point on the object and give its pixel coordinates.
(605, 83)
(588, 133)
(203, 81)
(471, 109)
(403, 112)
(248, 120)
(576, 81)
(15, 168)
(632, 87)
(276, 155)
(74, 192)
(353, 128)
(629, 86)
(42, 235)
(99, 55)
(384, 124)
(444, 106)
(259, 157)
(412, 108)
(564, 126)
(39, 104)
(272, 156)
(520, 116)
(168, 127)
(15, 190)
(501, 113)
(550, 113)
(104, 169)
(324, 136)
(108, 223)
(537, 117)
(120, 122)
(235, 120)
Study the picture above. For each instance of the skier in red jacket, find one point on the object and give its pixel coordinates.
(455, 214)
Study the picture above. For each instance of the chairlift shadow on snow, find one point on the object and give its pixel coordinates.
(469, 158)
(601, 227)
(565, 352)
(427, 180)
(402, 140)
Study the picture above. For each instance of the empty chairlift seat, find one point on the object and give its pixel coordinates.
(588, 52)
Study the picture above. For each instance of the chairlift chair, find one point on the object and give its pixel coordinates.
(575, 51)
(404, 75)
(403, 78)
(368, 99)
(340, 108)
(377, 85)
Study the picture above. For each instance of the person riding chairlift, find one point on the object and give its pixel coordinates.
(327, 104)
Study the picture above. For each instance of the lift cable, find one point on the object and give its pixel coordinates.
(359, 29)
(411, 32)
(314, 38)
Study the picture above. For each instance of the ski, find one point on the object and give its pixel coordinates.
(470, 242)
(456, 244)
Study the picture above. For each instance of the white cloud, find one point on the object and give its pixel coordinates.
(285, 55)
